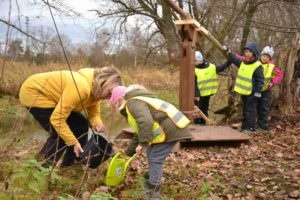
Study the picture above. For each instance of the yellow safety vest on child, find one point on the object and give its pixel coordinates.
(207, 81)
(173, 113)
(243, 84)
(268, 69)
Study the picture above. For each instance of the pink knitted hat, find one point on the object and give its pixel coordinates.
(117, 93)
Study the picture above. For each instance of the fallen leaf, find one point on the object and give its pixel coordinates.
(294, 193)
(279, 155)
(249, 186)
(102, 189)
(85, 196)
(21, 154)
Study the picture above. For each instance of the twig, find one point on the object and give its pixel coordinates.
(19, 29)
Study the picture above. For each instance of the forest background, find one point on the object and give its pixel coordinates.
(140, 38)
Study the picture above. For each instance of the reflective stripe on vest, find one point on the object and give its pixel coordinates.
(158, 135)
(207, 81)
(243, 83)
(178, 118)
(268, 69)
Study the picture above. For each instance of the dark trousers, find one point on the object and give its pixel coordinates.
(263, 108)
(55, 146)
(203, 105)
(249, 112)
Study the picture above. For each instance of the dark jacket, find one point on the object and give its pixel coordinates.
(145, 116)
(204, 65)
(258, 75)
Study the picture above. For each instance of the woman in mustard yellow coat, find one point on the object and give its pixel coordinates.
(56, 99)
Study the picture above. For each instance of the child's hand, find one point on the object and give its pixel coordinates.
(226, 49)
(139, 149)
(270, 85)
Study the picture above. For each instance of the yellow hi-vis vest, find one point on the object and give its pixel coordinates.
(243, 84)
(268, 69)
(158, 135)
(207, 81)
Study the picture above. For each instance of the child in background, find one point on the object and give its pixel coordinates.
(249, 83)
(206, 83)
(273, 76)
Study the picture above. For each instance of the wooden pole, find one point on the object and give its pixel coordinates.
(186, 79)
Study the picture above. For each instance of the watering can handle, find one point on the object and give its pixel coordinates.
(129, 160)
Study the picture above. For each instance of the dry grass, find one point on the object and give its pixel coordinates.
(153, 78)
(14, 73)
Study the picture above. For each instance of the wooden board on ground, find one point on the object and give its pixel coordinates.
(125, 134)
(216, 133)
(201, 134)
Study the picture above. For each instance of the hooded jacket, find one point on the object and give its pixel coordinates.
(57, 90)
(258, 75)
(145, 116)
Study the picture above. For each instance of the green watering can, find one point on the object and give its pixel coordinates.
(117, 168)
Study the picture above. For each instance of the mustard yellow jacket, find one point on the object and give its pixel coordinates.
(57, 90)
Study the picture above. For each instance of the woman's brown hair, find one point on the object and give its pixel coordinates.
(104, 77)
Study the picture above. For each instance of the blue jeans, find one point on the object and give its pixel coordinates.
(156, 155)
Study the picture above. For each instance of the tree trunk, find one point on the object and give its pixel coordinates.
(249, 15)
(287, 61)
(168, 30)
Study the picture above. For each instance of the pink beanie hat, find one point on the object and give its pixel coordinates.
(117, 93)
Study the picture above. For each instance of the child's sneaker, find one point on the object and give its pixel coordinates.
(261, 130)
(248, 132)
(151, 192)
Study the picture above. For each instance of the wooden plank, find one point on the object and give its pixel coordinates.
(216, 133)
(201, 134)
(191, 22)
(125, 134)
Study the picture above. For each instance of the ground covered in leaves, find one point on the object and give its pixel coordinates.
(267, 167)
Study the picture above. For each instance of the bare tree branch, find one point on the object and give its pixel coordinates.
(17, 28)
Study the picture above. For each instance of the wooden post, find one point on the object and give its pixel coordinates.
(186, 79)
(190, 36)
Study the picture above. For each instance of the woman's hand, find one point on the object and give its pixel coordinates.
(78, 149)
(100, 128)
(139, 149)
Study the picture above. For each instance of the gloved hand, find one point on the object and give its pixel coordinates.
(258, 95)
(226, 49)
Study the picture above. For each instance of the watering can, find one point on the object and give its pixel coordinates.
(117, 168)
